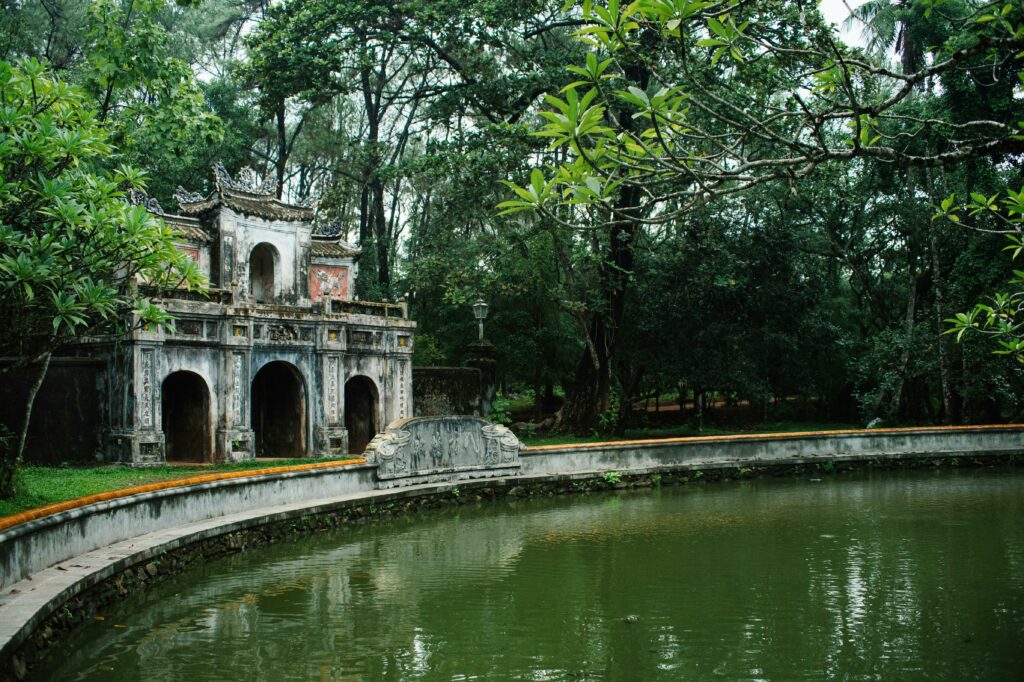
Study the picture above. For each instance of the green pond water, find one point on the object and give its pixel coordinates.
(887, 576)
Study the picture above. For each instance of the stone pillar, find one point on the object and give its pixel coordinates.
(481, 357)
(330, 437)
(135, 435)
(235, 439)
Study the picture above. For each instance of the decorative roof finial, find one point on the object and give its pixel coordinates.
(136, 197)
(246, 181)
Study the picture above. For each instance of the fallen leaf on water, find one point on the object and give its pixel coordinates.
(99, 618)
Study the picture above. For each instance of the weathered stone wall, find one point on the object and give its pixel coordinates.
(446, 390)
(66, 417)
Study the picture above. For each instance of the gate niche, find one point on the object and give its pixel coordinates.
(360, 413)
(279, 411)
(185, 402)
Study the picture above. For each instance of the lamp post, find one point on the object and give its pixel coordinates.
(480, 313)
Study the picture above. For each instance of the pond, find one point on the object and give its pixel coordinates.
(893, 575)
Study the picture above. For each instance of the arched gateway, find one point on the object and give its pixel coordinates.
(279, 411)
(360, 412)
(185, 403)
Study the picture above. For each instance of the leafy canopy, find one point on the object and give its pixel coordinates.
(72, 249)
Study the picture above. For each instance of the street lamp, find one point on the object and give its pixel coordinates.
(480, 313)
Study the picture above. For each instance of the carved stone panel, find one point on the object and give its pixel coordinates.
(189, 327)
(146, 394)
(283, 332)
(190, 251)
(332, 390)
(424, 449)
(328, 281)
(401, 370)
(236, 388)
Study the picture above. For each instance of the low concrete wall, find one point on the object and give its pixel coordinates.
(757, 450)
(34, 545)
(114, 534)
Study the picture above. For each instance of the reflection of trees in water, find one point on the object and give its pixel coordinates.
(753, 575)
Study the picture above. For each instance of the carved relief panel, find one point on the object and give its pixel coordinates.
(236, 389)
(328, 281)
(146, 384)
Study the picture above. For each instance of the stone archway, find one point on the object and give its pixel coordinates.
(360, 412)
(185, 406)
(262, 266)
(279, 411)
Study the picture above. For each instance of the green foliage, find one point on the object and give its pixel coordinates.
(499, 410)
(1002, 318)
(733, 84)
(150, 99)
(611, 477)
(71, 248)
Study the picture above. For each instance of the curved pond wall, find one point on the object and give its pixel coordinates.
(46, 560)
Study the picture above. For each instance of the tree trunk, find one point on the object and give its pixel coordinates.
(538, 397)
(381, 236)
(282, 147)
(908, 338)
(587, 396)
(698, 407)
(11, 459)
(950, 415)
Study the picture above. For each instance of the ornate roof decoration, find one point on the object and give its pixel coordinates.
(327, 241)
(245, 193)
(329, 230)
(183, 196)
(136, 197)
(247, 181)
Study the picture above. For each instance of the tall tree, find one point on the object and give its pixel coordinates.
(72, 250)
(740, 94)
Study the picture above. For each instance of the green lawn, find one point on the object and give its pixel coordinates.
(40, 486)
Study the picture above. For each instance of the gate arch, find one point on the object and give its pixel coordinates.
(361, 400)
(279, 411)
(185, 417)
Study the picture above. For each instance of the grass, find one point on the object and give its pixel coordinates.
(685, 431)
(40, 486)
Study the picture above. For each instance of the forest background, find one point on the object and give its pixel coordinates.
(744, 211)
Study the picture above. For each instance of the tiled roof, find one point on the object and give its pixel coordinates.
(189, 228)
(334, 249)
(194, 234)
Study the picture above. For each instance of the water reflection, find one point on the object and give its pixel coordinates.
(884, 577)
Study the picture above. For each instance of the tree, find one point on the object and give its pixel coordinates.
(683, 103)
(72, 249)
(415, 72)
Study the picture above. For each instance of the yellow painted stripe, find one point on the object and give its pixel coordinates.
(39, 512)
(32, 514)
(758, 436)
